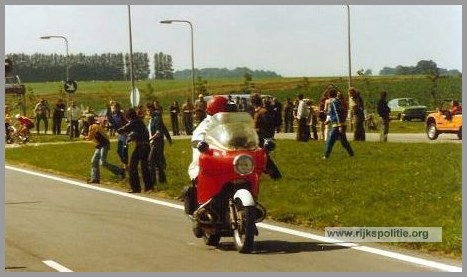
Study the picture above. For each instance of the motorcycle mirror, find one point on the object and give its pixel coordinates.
(269, 145)
(202, 146)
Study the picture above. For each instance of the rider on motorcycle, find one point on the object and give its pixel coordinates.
(215, 105)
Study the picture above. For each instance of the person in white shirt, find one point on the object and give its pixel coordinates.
(302, 115)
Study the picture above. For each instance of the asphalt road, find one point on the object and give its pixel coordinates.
(53, 224)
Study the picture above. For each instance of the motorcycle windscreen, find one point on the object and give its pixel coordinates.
(232, 131)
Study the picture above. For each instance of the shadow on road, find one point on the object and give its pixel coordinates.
(284, 247)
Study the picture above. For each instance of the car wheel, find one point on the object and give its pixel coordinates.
(459, 133)
(431, 131)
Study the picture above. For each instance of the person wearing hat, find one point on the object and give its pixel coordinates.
(98, 135)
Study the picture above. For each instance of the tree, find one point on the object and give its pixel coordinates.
(201, 86)
(163, 66)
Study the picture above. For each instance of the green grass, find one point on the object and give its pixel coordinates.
(384, 185)
(98, 93)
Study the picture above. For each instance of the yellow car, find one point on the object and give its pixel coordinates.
(442, 121)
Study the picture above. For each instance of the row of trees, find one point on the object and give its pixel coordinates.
(113, 67)
(423, 67)
(106, 67)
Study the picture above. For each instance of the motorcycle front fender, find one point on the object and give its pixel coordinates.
(245, 196)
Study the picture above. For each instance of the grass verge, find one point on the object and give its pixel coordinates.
(384, 185)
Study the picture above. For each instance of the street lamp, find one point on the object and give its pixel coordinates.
(192, 55)
(66, 43)
(348, 45)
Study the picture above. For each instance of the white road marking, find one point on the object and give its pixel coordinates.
(58, 267)
(372, 250)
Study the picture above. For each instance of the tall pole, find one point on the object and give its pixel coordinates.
(192, 65)
(133, 93)
(69, 97)
(192, 54)
(348, 45)
(66, 58)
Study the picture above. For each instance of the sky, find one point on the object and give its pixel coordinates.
(291, 40)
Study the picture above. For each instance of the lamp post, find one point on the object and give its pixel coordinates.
(349, 117)
(348, 45)
(66, 59)
(192, 55)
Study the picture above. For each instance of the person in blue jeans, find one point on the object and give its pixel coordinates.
(97, 134)
(336, 118)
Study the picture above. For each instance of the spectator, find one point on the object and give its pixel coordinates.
(138, 133)
(73, 114)
(337, 119)
(302, 115)
(200, 109)
(288, 116)
(384, 111)
(7, 123)
(57, 115)
(456, 108)
(277, 110)
(98, 135)
(356, 109)
(42, 112)
(312, 121)
(265, 130)
(157, 132)
(174, 112)
(87, 113)
(116, 120)
(187, 117)
(322, 113)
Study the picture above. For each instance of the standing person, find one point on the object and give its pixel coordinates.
(57, 115)
(42, 112)
(277, 108)
(265, 130)
(174, 112)
(357, 113)
(98, 135)
(288, 116)
(187, 116)
(323, 128)
(383, 111)
(116, 120)
(138, 133)
(302, 115)
(312, 121)
(200, 109)
(157, 132)
(337, 119)
(73, 114)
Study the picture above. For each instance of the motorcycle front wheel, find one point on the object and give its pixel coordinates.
(244, 232)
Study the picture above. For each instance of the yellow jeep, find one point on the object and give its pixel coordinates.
(442, 121)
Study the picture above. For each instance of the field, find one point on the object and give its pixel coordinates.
(97, 93)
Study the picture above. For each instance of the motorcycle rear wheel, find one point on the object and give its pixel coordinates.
(244, 234)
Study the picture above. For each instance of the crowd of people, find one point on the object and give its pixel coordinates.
(327, 120)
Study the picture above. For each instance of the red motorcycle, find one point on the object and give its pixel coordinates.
(223, 200)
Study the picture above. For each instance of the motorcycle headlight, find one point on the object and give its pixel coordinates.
(243, 164)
